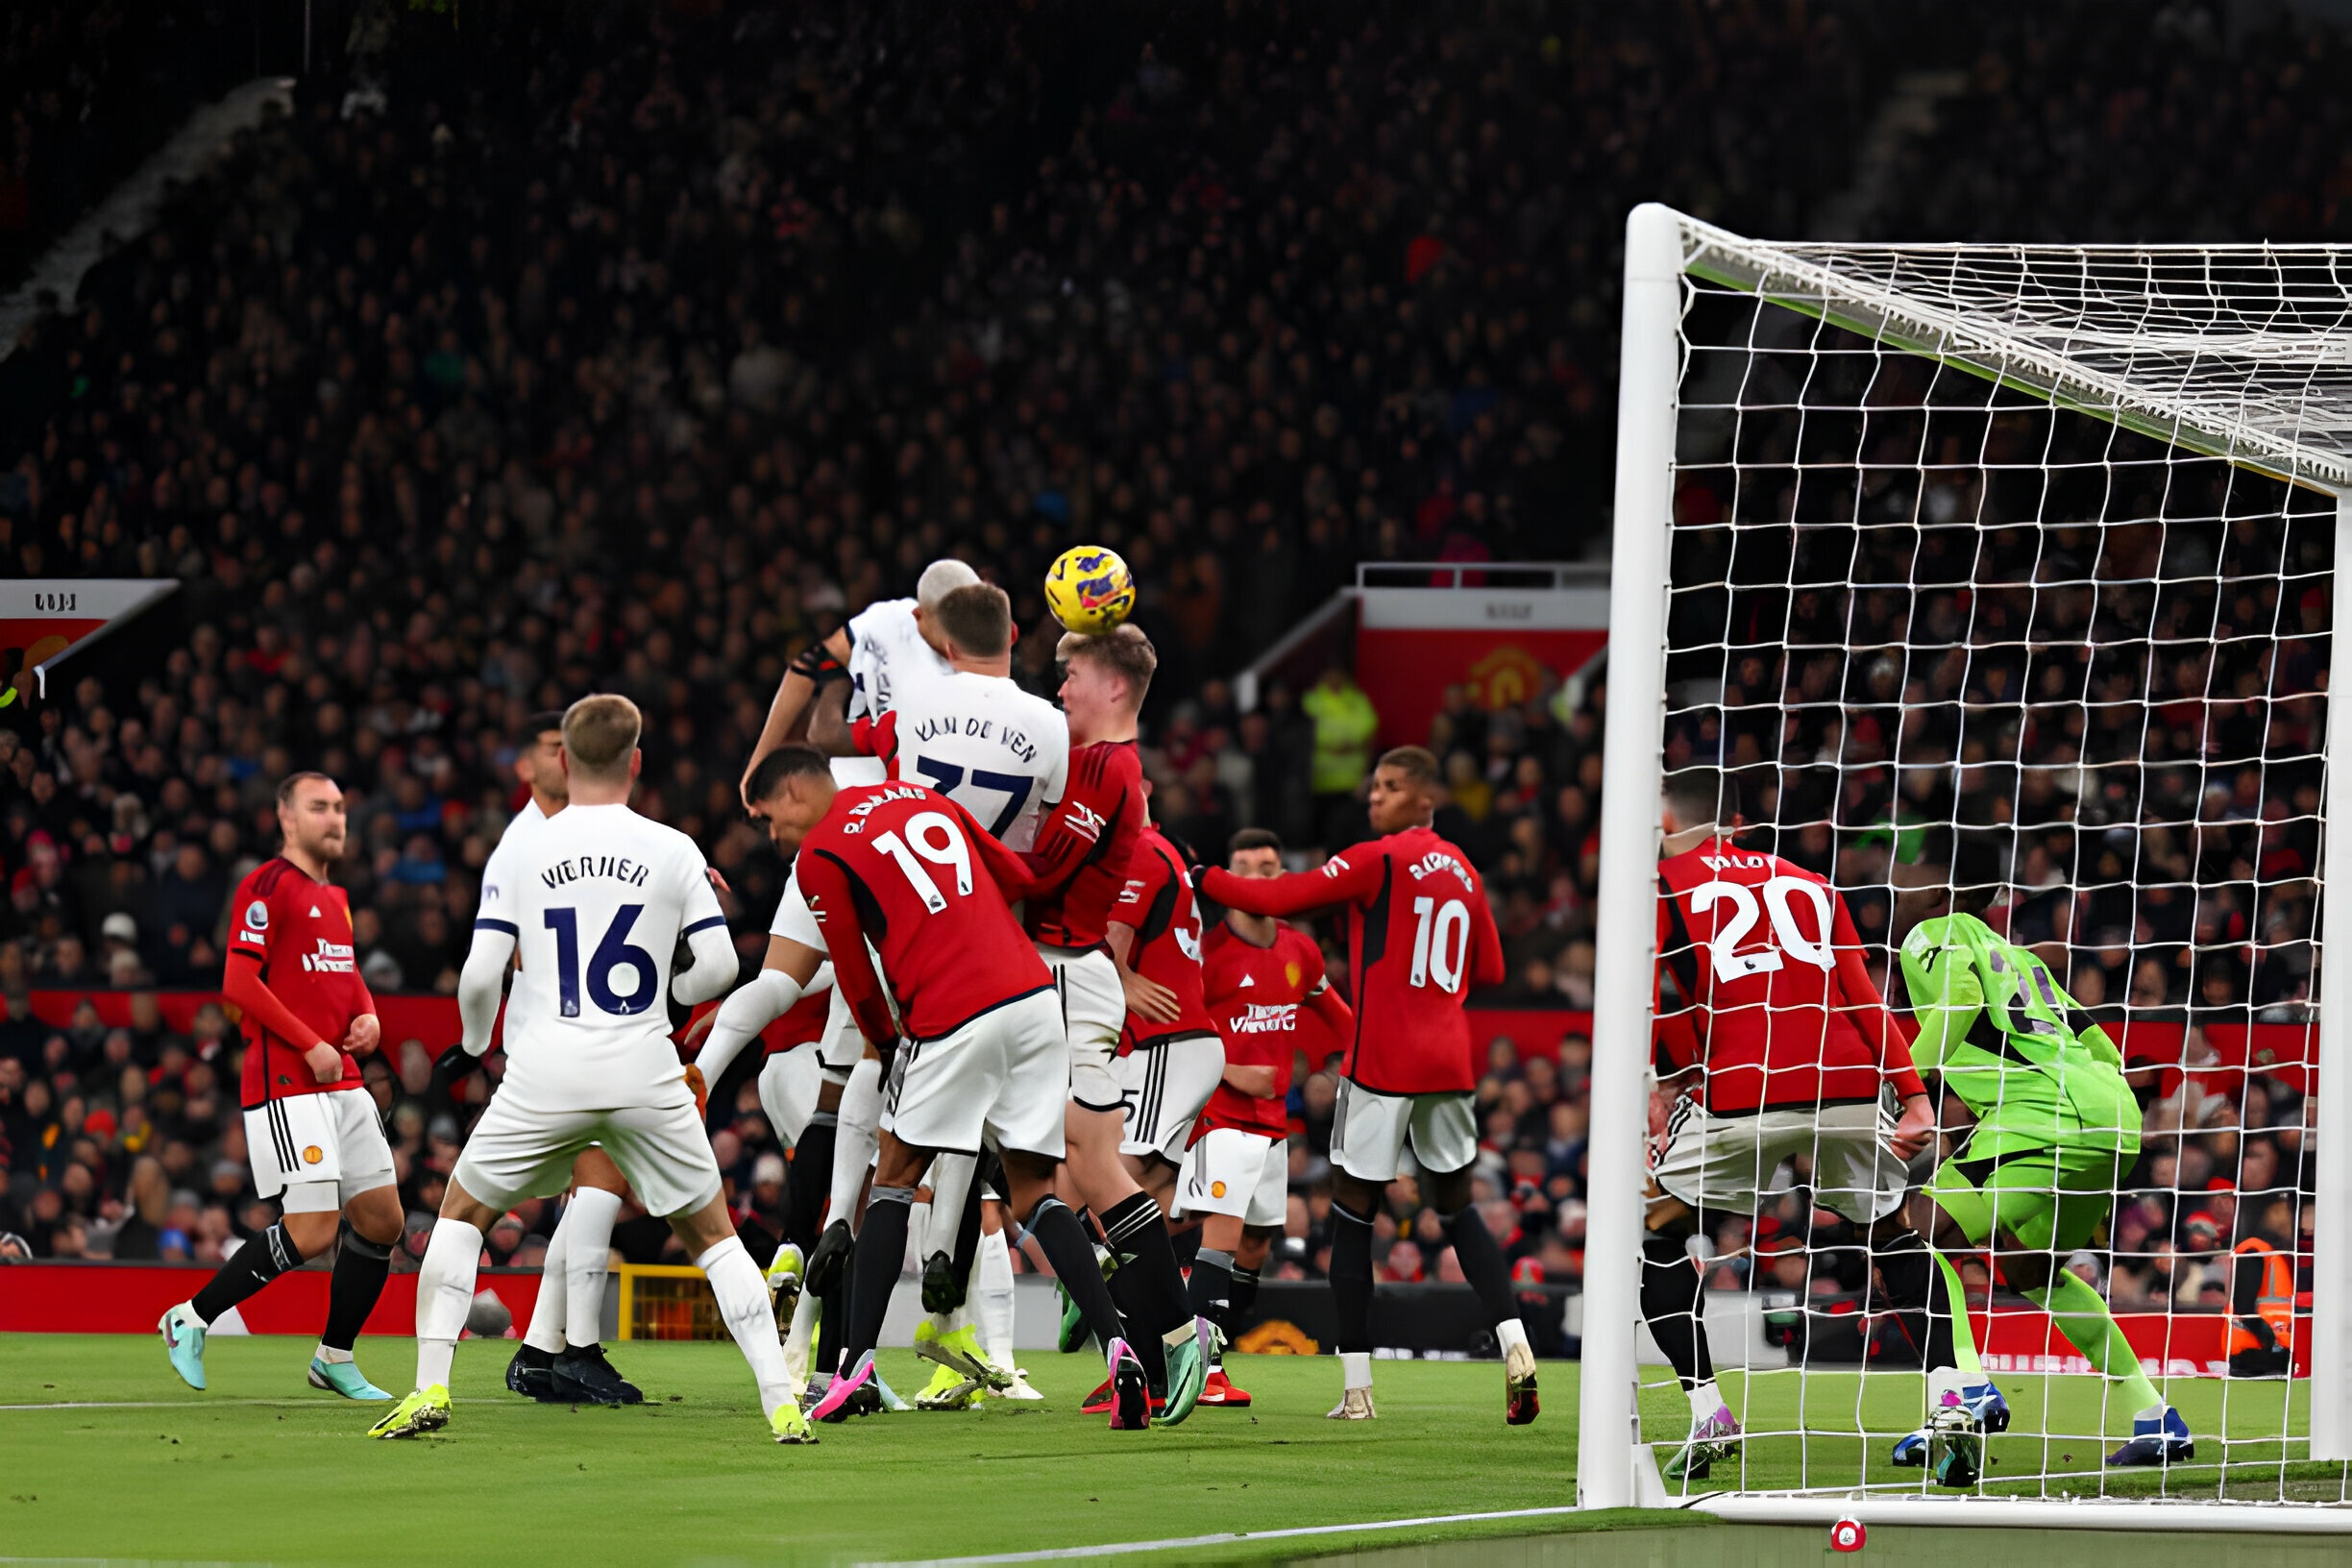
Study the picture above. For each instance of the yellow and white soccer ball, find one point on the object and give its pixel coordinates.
(1090, 589)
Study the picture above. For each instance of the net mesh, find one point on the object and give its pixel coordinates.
(1970, 611)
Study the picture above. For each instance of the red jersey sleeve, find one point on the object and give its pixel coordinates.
(825, 885)
(1868, 1009)
(1323, 999)
(256, 929)
(874, 737)
(1067, 837)
(1340, 880)
(1487, 966)
(1147, 879)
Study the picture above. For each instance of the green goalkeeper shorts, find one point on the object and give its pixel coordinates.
(2049, 1199)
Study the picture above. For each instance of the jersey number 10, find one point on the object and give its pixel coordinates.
(1441, 942)
(1730, 964)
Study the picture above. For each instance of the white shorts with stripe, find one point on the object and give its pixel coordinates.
(320, 1150)
(1164, 1087)
(789, 1083)
(1723, 1163)
(1235, 1171)
(514, 1152)
(999, 1079)
(1093, 1013)
(1370, 1132)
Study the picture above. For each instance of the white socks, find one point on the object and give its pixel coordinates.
(587, 1258)
(743, 1301)
(1705, 1400)
(950, 1179)
(547, 1323)
(856, 1139)
(800, 1336)
(445, 1290)
(1512, 1335)
(1357, 1365)
(992, 1297)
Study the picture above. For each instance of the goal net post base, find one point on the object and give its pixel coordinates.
(2221, 377)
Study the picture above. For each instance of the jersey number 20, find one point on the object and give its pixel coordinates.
(1730, 964)
(613, 952)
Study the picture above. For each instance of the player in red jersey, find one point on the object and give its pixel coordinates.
(1174, 1058)
(1256, 974)
(1769, 1014)
(983, 1054)
(310, 1126)
(1420, 935)
(1081, 862)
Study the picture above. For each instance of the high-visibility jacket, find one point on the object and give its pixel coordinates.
(2274, 1296)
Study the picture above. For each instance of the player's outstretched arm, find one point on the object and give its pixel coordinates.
(826, 884)
(1352, 878)
(483, 983)
(790, 972)
(829, 729)
(243, 987)
(820, 663)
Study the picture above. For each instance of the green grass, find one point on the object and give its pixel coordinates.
(261, 1468)
(691, 1476)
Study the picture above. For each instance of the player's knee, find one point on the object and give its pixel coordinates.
(1450, 1193)
(376, 1217)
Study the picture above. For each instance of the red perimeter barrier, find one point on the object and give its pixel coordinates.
(2193, 1344)
(128, 1298)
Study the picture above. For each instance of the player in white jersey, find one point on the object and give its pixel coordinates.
(1003, 755)
(598, 899)
(561, 1359)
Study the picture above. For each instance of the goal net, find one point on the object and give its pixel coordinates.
(1993, 585)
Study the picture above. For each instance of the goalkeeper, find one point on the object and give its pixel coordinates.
(2056, 1128)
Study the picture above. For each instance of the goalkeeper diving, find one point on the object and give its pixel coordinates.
(2056, 1128)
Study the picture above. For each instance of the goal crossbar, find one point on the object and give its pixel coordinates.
(2231, 309)
(2236, 351)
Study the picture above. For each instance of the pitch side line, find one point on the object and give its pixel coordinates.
(1116, 1549)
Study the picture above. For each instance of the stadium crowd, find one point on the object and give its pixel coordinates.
(632, 359)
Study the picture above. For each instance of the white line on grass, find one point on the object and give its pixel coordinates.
(1116, 1549)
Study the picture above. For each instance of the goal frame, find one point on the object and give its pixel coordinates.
(1660, 248)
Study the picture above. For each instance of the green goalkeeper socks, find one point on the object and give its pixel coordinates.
(2084, 1319)
(1962, 1332)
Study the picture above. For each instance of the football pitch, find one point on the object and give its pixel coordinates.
(104, 1455)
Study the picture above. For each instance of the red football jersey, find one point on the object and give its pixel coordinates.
(1085, 847)
(1770, 991)
(801, 1023)
(1255, 995)
(301, 933)
(1157, 901)
(1419, 937)
(909, 870)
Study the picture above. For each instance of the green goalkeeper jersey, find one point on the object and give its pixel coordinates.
(2037, 1072)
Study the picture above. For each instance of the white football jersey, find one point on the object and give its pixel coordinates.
(885, 649)
(998, 752)
(597, 898)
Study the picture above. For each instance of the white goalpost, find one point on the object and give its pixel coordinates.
(1999, 577)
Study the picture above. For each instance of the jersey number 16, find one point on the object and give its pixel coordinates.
(613, 952)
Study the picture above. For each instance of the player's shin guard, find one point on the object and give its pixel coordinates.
(742, 1294)
(445, 1290)
(548, 1314)
(875, 1269)
(587, 1260)
(1148, 1286)
(810, 1182)
(1351, 1280)
(360, 1270)
(951, 1195)
(1067, 1246)
(255, 1264)
(1670, 1306)
(1915, 1288)
(1244, 1291)
(855, 1140)
(1212, 1285)
(993, 1297)
(1483, 1265)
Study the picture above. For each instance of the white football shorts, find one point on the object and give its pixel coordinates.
(664, 1151)
(789, 1082)
(320, 1150)
(1093, 1013)
(1165, 1088)
(1371, 1130)
(1237, 1172)
(1723, 1162)
(1002, 1078)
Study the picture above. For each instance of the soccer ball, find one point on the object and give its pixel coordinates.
(1090, 589)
